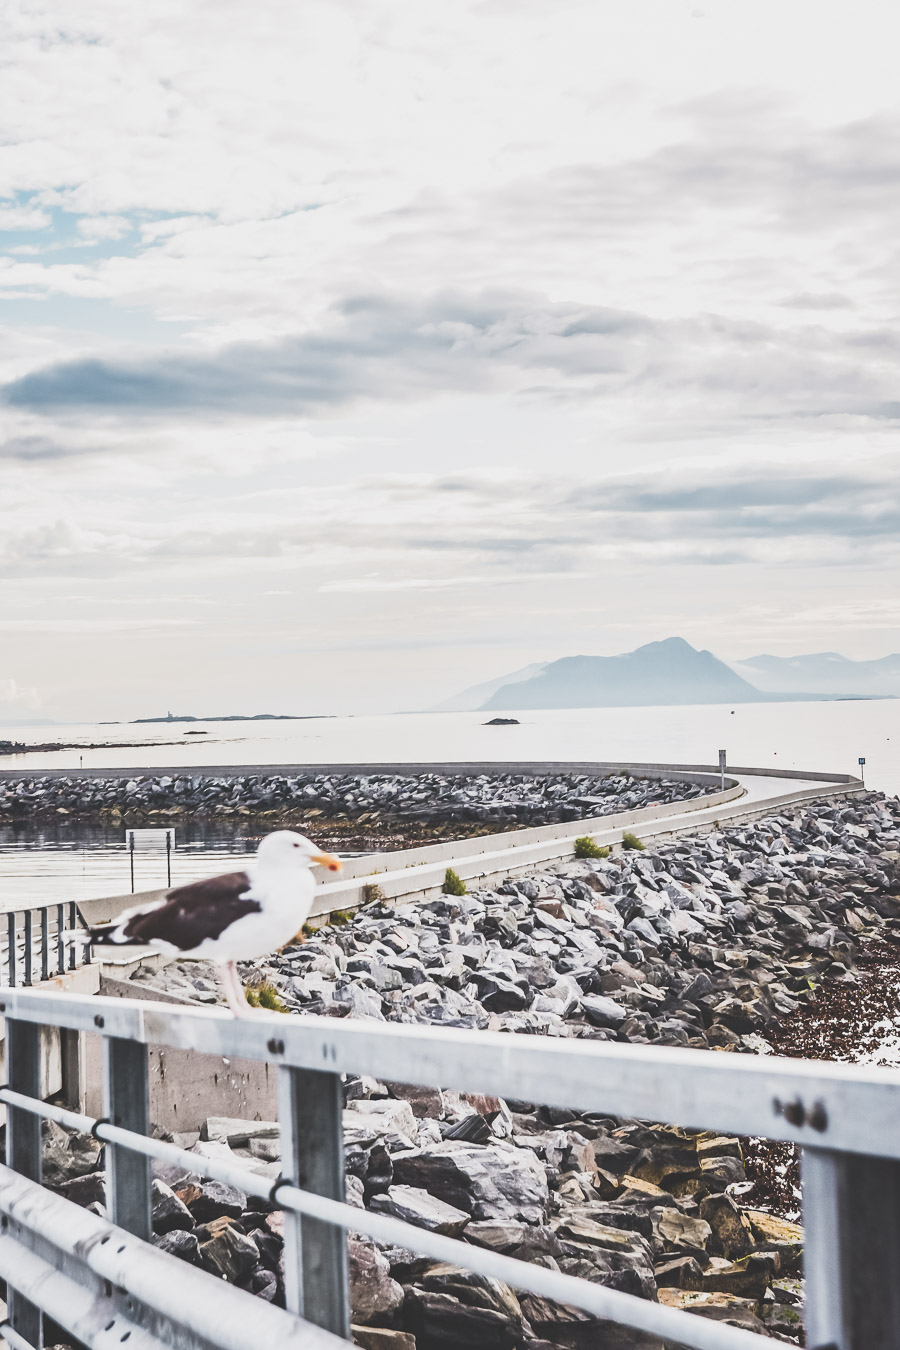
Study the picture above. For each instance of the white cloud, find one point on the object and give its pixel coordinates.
(23, 218)
(96, 228)
(13, 693)
(465, 323)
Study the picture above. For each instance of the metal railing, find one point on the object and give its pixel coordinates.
(33, 945)
(103, 1281)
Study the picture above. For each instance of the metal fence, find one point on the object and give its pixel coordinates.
(104, 1282)
(33, 945)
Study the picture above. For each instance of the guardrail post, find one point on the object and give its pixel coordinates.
(28, 953)
(73, 924)
(126, 1102)
(11, 941)
(45, 943)
(60, 940)
(23, 1148)
(316, 1280)
(851, 1217)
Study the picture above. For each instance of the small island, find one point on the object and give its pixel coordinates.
(502, 722)
(231, 717)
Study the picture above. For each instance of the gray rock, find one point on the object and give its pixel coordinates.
(486, 1182)
(217, 1200)
(602, 1011)
(452, 1308)
(167, 1210)
(416, 1206)
(85, 1190)
(226, 1252)
(373, 1294)
(382, 1338)
(237, 1133)
(178, 1242)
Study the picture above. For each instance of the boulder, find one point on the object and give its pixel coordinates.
(215, 1200)
(486, 1182)
(237, 1133)
(167, 1211)
(178, 1242)
(737, 1312)
(86, 1190)
(66, 1155)
(450, 1308)
(732, 1236)
(226, 1252)
(416, 1206)
(374, 1295)
(393, 1117)
(683, 1232)
(423, 1101)
(602, 1011)
(382, 1338)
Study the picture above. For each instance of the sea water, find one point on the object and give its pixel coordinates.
(35, 868)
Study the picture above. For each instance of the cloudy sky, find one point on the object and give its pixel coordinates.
(354, 352)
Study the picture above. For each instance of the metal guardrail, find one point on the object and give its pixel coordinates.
(103, 1281)
(33, 945)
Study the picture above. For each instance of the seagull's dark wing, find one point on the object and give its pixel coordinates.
(189, 914)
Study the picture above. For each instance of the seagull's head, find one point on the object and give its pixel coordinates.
(285, 848)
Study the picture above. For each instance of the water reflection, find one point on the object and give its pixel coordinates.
(66, 860)
(60, 833)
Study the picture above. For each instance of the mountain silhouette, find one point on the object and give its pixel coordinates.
(668, 672)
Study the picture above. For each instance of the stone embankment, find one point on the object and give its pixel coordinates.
(337, 807)
(707, 941)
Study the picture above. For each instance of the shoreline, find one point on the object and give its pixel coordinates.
(353, 810)
(12, 749)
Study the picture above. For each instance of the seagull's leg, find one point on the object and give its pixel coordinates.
(233, 990)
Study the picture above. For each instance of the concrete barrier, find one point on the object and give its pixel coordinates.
(417, 873)
(185, 1087)
(691, 773)
(501, 859)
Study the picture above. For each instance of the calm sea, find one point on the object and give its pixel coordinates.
(814, 736)
(810, 736)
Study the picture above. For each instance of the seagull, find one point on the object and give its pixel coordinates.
(231, 918)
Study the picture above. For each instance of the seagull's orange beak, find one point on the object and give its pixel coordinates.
(328, 860)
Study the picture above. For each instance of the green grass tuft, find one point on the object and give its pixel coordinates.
(630, 840)
(586, 848)
(338, 917)
(265, 996)
(453, 883)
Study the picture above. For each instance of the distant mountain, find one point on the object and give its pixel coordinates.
(475, 697)
(669, 672)
(821, 673)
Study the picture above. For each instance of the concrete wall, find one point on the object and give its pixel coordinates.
(60, 1067)
(537, 834)
(186, 1087)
